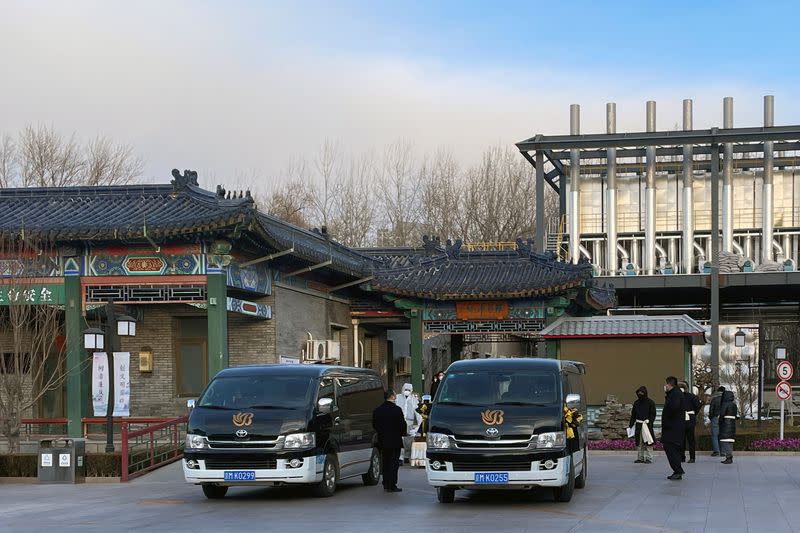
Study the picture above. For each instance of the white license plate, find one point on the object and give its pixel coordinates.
(239, 475)
(491, 478)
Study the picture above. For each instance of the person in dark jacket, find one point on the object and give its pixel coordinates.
(437, 380)
(691, 406)
(673, 426)
(727, 426)
(643, 414)
(390, 424)
(713, 417)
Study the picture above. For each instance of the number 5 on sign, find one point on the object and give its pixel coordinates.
(783, 390)
(785, 370)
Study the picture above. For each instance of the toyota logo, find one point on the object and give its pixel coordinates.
(492, 433)
(241, 433)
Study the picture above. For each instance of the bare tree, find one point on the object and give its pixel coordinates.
(325, 186)
(110, 163)
(399, 193)
(292, 199)
(354, 209)
(441, 198)
(9, 163)
(32, 363)
(49, 160)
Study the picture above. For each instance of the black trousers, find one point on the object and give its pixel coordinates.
(391, 464)
(673, 452)
(689, 442)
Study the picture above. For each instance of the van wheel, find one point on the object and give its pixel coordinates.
(445, 494)
(580, 481)
(373, 475)
(564, 493)
(214, 492)
(330, 476)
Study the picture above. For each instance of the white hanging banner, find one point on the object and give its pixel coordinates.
(100, 383)
(122, 384)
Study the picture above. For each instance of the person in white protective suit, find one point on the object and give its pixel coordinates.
(409, 403)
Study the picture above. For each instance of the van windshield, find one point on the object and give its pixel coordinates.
(498, 388)
(265, 392)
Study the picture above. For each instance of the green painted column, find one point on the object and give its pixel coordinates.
(416, 349)
(78, 367)
(217, 323)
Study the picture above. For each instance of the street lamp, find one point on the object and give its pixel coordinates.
(738, 339)
(123, 326)
(93, 339)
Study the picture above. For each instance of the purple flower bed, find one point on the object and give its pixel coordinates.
(619, 444)
(775, 445)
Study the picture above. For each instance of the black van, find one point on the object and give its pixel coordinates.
(277, 424)
(500, 423)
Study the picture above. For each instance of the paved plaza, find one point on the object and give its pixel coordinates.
(758, 494)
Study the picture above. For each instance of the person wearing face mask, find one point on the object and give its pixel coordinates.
(727, 426)
(409, 403)
(691, 406)
(643, 415)
(673, 427)
(437, 380)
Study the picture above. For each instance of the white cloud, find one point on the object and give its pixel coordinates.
(189, 91)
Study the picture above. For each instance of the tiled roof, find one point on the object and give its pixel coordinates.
(625, 326)
(454, 275)
(158, 211)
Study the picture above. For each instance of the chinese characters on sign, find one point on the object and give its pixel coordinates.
(481, 310)
(31, 294)
(122, 384)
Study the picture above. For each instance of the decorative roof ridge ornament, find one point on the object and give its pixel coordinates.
(524, 248)
(453, 249)
(432, 245)
(189, 178)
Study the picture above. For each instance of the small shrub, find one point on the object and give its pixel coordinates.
(776, 445)
(618, 444)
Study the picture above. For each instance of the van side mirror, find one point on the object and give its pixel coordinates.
(573, 401)
(190, 405)
(325, 405)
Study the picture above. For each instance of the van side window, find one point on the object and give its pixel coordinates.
(576, 386)
(349, 389)
(326, 389)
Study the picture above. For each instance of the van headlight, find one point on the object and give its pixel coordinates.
(195, 442)
(555, 439)
(297, 441)
(438, 441)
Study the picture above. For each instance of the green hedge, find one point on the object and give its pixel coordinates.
(24, 465)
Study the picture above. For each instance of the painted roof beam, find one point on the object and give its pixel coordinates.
(350, 284)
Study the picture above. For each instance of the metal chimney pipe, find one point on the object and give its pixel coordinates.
(611, 193)
(650, 196)
(688, 194)
(727, 178)
(766, 195)
(575, 187)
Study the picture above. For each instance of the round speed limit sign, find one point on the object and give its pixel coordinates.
(783, 390)
(785, 370)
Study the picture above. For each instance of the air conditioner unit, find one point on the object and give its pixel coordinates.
(333, 350)
(315, 350)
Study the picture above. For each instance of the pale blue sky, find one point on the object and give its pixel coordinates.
(233, 88)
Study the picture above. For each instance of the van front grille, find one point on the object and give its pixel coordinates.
(512, 465)
(241, 464)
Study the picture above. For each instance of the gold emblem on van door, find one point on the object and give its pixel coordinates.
(492, 418)
(242, 419)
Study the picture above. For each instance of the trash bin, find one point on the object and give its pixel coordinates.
(62, 461)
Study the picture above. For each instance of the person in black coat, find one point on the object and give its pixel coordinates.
(437, 380)
(643, 413)
(673, 426)
(727, 426)
(691, 406)
(390, 424)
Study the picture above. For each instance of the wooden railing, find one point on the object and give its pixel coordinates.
(154, 446)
